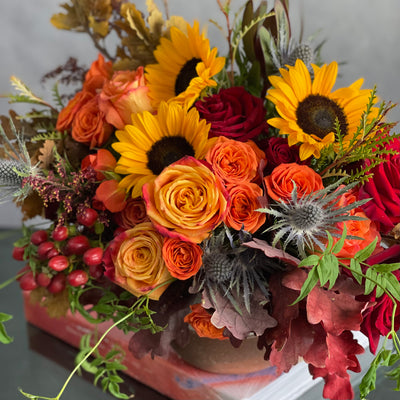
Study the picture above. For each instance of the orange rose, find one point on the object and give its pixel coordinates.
(99, 72)
(235, 161)
(186, 200)
(200, 320)
(67, 114)
(365, 229)
(138, 262)
(134, 213)
(280, 183)
(183, 259)
(124, 94)
(244, 203)
(89, 125)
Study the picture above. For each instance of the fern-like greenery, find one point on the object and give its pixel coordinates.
(365, 150)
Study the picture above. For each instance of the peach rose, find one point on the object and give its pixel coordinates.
(244, 203)
(89, 125)
(134, 213)
(235, 161)
(124, 94)
(186, 200)
(183, 259)
(200, 320)
(137, 258)
(280, 183)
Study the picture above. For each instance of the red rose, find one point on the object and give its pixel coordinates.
(384, 190)
(277, 151)
(377, 319)
(233, 113)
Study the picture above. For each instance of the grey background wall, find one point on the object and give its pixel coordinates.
(364, 34)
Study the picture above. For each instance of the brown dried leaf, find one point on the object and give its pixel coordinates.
(46, 156)
(31, 207)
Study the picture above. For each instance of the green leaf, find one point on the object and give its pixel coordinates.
(4, 337)
(393, 285)
(370, 281)
(114, 390)
(308, 285)
(366, 252)
(356, 270)
(310, 261)
(339, 244)
(115, 366)
(386, 267)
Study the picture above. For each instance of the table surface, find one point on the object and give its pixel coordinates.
(39, 363)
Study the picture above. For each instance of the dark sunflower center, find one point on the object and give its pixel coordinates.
(166, 151)
(317, 115)
(186, 74)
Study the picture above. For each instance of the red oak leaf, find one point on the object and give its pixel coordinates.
(282, 310)
(336, 309)
(342, 352)
(243, 324)
(298, 343)
(272, 252)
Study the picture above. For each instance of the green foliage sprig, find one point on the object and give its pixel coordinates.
(135, 309)
(4, 337)
(369, 142)
(325, 270)
(112, 306)
(104, 368)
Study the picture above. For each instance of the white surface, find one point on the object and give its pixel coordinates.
(363, 33)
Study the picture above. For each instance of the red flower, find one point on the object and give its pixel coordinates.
(233, 113)
(277, 151)
(384, 190)
(378, 318)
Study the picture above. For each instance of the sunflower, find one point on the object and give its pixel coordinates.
(153, 142)
(185, 66)
(309, 109)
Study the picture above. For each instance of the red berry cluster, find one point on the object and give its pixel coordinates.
(61, 256)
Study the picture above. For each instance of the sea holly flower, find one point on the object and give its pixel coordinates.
(308, 109)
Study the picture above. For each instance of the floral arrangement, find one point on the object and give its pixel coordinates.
(235, 196)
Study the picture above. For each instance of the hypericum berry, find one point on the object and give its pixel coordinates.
(60, 233)
(18, 253)
(87, 217)
(52, 253)
(96, 271)
(58, 263)
(38, 237)
(28, 282)
(77, 245)
(22, 271)
(77, 278)
(58, 283)
(93, 256)
(43, 250)
(43, 279)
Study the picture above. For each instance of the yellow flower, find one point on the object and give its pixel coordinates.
(153, 142)
(185, 66)
(186, 201)
(309, 109)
